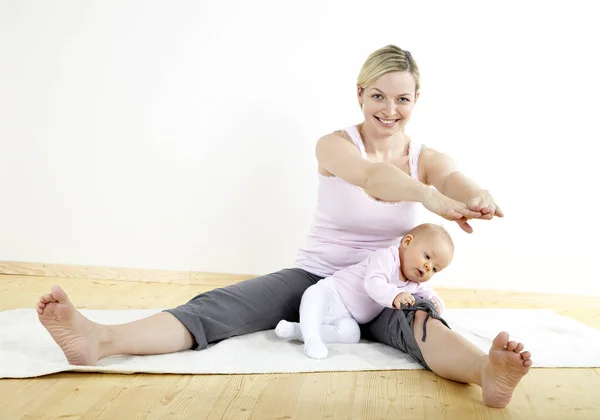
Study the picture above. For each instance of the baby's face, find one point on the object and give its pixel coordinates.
(424, 255)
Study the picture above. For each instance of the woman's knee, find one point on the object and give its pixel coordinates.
(420, 318)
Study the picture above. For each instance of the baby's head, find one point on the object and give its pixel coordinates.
(424, 251)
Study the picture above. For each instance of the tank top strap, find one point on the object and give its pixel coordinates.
(354, 134)
(414, 151)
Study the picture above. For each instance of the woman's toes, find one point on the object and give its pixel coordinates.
(46, 298)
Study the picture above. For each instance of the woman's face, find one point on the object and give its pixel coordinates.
(388, 103)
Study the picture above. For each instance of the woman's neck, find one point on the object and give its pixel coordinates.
(387, 147)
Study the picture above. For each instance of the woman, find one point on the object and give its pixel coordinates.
(372, 180)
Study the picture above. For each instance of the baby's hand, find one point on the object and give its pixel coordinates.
(403, 298)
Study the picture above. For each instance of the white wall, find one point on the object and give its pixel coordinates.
(140, 134)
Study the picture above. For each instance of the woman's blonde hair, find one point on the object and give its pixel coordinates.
(385, 60)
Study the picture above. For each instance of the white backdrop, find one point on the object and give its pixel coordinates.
(180, 134)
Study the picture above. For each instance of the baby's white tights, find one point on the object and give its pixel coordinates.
(323, 319)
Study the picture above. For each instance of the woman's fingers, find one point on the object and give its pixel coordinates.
(463, 210)
(459, 218)
(469, 214)
(486, 205)
(475, 206)
(452, 215)
(464, 225)
(492, 210)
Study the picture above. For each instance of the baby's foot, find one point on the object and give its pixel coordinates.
(315, 348)
(287, 329)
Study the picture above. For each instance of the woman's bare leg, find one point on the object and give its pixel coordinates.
(242, 308)
(85, 342)
(451, 356)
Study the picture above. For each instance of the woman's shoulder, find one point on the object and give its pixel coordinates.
(349, 134)
(344, 142)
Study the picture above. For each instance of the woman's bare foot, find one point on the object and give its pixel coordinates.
(77, 336)
(507, 364)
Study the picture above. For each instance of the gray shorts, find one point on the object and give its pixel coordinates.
(258, 304)
(395, 328)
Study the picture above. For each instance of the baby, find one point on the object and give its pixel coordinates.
(331, 310)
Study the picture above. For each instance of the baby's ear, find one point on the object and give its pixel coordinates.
(407, 240)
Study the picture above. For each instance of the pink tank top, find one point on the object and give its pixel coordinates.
(349, 224)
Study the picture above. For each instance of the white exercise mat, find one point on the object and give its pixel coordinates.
(27, 350)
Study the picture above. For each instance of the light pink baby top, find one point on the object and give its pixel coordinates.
(349, 224)
(370, 286)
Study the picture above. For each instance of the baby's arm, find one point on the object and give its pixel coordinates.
(425, 291)
(380, 268)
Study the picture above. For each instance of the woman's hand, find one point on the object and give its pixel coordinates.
(450, 209)
(485, 204)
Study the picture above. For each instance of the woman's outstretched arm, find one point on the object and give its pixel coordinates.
(384, 181)
(440, 171)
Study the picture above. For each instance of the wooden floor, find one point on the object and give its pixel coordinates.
(544, 394)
